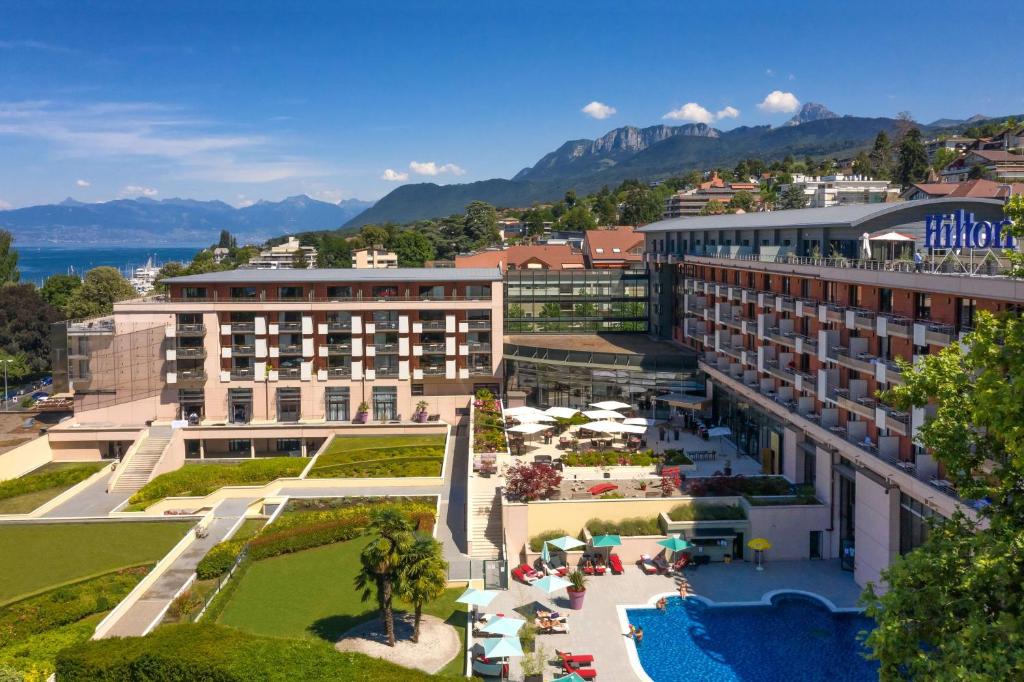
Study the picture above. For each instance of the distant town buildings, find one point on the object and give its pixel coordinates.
(836, 190)
(620, 247)
(691, 202)
(525, 257)
(371, 258)
(978, 189)
(290, 254)
(997, 164)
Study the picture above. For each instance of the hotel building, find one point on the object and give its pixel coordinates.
(795, 348)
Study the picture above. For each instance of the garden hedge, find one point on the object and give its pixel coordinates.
(202, 479)
(44, 480)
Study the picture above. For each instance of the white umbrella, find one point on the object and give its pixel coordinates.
(633, 428)
(719, 431)
(604, 427)
(516, 411)
(865, 246)
(528, 428)
(561, 412)
(538, 417)
(602, 414)
(611, 405)
(640, 421)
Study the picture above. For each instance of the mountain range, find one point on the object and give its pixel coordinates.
(171, 221)
(646, 154)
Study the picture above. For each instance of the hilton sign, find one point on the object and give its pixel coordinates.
(960, 231)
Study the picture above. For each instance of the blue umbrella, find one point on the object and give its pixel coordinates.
(496, 647)
(545, 555)
(551, 583)
(477, 597)
(674, 544)
(606, 541)
(504, 626)
(565, 543)
(571, 677)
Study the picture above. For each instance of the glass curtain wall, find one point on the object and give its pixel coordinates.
(575, 301)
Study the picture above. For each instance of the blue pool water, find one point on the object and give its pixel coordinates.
(797, 638)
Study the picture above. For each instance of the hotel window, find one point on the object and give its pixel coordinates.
(767, 282)
(385, 292)
(965, 310)
(243, 293)
(923, 306)
(240, 405)
(289, 447)
(240, 446)
(854, 294)
(289, 293)
(785, 285)
(416, 389)
(478, 291)
(338, 293)
(385, 403)
(914, 518)
(193, 292)
(191, 404)
(434, 291)
(337, 399)
(289, 402)
(805, 288)
(830, 292)
(885, 300)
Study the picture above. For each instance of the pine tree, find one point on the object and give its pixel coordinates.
(913, 159)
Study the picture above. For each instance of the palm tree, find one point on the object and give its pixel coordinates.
(381, 560)
(423, 577)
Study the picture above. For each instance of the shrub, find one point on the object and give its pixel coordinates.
(677, 457)
(219, 559)
(637, 525)
(706, 512)
(721, 486)
(526, 482)
(537, 541)
(33, 657)
(186, 603)
(196, 480)
(610, 458)
(612, 496)
(46, 479)
(212, 653)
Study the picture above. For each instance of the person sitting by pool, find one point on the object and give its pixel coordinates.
(632, 631)
(662, 604)
(638, 636)
(684, 589)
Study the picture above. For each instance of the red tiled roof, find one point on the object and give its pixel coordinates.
(997, 155)
(550, 256)
(978, 189)
(601, 245)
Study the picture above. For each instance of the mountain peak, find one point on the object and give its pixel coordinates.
(811, 111)
(68, 201)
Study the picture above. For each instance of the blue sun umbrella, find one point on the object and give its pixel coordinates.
(675, 544)
(565, 543)
(545, 555)
(606, 541)
(571, 677)
(496, 647)
(551, 583)
(504, 626)
(475, 597)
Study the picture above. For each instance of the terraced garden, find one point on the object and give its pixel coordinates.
(381, 457)
(26, 493)
(202, 479)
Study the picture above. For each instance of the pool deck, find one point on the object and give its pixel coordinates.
(596, 628)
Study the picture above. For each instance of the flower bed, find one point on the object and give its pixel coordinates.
(637, 525)
(197, 480)
(725, 486)
(381, 457)
(677, 457)
(488, 424)
(611, 458)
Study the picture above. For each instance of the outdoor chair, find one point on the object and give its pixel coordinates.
(661, 565)
(647, 565)
(525, 574)
(569, 659)
(616, 564)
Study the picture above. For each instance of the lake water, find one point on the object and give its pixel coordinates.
(36, 263)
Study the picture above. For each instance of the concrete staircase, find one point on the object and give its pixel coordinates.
(138, 466)
(485, 526)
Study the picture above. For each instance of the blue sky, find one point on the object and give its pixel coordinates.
(263, 100)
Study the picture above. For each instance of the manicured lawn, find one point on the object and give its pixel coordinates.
(249, 528)
(196, 480)
(310, 595)
(24, 494)
(381, 457)
(36, 557)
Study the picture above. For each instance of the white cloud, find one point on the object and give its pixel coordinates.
(82, 183)
(598, 110)
(431, 168)
(243, 201)
(138, 191)
(778, 102)
(695, 113)
(391, 175)
(332, 196)
(4, 205)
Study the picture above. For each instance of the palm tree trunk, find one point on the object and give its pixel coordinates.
(389, 616)
(416, 626)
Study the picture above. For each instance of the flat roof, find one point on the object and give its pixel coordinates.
(847, 215)
(621, 343)
(315, 275)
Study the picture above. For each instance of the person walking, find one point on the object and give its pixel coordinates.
(918, 261)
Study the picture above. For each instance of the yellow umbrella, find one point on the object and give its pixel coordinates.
(759, 545)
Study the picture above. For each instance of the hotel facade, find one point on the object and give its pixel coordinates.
(795, 348)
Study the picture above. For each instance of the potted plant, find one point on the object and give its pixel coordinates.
(362, 413)
(421, 411)
(533, 665)
(577, 590)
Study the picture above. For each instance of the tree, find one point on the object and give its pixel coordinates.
(578, 218)
(792, 197)
(8, 259)
(525, 482)
(570, 198)
(742, 200)
(374, 236)
(101, 288)
(862, 165)
(15, 367)
(607, 211)
(381, 561)
(978, 172)
(227, 240)
(640, 207)
(714, 208)
(1014, 210)
(534, 221)
(58, 289)
(954, 608)
(413, 249)
(423, 577)
(943, 157)
(333, 251)
(481, 224)
(912, 165)
(25, 320)
(881, 157)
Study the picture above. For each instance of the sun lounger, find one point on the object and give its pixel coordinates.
(660, 564)
(585, 673)
(647, 565)
(570, 659)
(526, 574)
(551, 569)
(553, 626)
(681, 563)
(616, 563)
(489, 668)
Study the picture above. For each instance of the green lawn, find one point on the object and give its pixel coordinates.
(24, 494)
(310, 595)
(381, 457)
(37, 557)
(196, 480)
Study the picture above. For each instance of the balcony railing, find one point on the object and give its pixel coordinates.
(432, 371)
(243, 327)
(339, 326)
(243, 349)
(434, 347)
(386, 371)
(198, 329)
(339, 372)
(479, 347)
(386, 348)
(242, 374)
(190, 353)
(289, 326)
(339, 348)
(189, 378)
(385, 324)
(478, 324)
(480, 370)
(289, 373)
(433, 324)
(290, 348)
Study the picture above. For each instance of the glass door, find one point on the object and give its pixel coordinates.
(385, 403)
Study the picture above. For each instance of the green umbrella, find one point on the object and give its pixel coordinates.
(565, 543)
(571, 677)
(675, 544)
(606, 541)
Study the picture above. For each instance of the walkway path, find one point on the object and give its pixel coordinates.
(93, 500)
(138, 620)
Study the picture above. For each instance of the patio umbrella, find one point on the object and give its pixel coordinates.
(632, 428)
(602, 414)
(865, 246)
(675, 544)
(504, 626)
(571, 677)
(565, 543)
(611, 405)
(545, 555)
(529, 428)
(561, 412)
(604, 427)
(497, 647)
(759, 545)
(534, 417)
(606, 541)
(475, 597)
(551, 583)
(893, 239)
(640, 421)
(719, 432)
(517, 411)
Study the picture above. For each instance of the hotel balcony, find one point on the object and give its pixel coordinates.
(835, 313)
(289, 373)
(243, 327)
(897, 421)
(788, 304)
(861, 362)
(432, 348)
(939, 334)
(339, 372)
(433, 370)
(864, 319)
(242, 374)
(433, 325)
(479, 325)
(338, 326)
(290, 326)
(290, 349)
(808, 307)
(190, 330)
(479, 347)
(190, 353)
(194, 378)
(386, 371)
(893, 375)
(897, 326)
(728, 349)
(862, 406)
(243, 349)
(386, 348)
(480, 370)
(385, 325)
(339, 349)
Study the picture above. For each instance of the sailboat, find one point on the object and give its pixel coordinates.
(144, 277)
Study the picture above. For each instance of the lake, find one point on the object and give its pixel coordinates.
(36, 263)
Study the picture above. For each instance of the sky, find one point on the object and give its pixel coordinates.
(255, 100)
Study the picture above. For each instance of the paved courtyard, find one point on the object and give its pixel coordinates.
(596, 629)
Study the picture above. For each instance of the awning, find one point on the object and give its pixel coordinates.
(691, 402)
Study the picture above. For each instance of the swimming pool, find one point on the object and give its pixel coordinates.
(795, 638)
